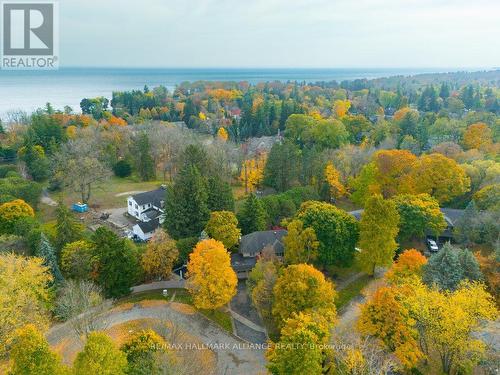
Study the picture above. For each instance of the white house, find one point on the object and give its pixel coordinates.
(148, 205)
(148, 208)
(145, 231)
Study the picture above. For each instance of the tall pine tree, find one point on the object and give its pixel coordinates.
(67, 228)
(252, 217)
(186, 209)
(220, 195)
(47, 253)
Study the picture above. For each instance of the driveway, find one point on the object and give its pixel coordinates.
(118, 219)
(233, 355)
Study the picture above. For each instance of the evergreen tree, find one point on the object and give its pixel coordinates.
(47, 253)
(67, 228)
(282, 166)
(220, 195)
(466, 227)
(252, 217)
(144, 163)
(449, 267)
(444, 92)
(186, 209)
(116, 261)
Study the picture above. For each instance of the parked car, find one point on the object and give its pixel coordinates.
(432, 245)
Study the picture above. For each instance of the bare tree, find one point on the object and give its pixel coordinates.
(82, 303)
(79, 169)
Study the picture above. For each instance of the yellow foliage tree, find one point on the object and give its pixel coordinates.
(332, 177)
(222, 134)
(252, 172)
(301, 244)
(408, 265)
(302, 288)
(16, 209)
(223, 226)
(160, 255)
(24, 296)
(341, 107)
(478, 136)
(211, 279)
(202, 116)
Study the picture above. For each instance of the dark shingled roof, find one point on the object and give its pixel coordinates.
(149, 226)
(242, 264)
(253, 243)
(153, 196)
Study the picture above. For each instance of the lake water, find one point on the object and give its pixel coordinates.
(28, 90)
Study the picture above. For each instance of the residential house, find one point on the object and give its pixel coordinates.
(251, 247)
(148, 208)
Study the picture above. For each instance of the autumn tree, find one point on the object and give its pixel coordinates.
(301, 348)
(341, 107)
(439, 177)
(186, 209)
(252, 172)
(31, 354)
(337, 232)
(332, 177)
(450, 266)
(252, 216)
(222, 134)
(143, 350)
(408, 265)
(385, 317)
(77, 260)
(160, 255)
(25, 296)
(13, 211)
(223, 226)
(100, 356)
(116, 260)
(418, 214)
(300, 244)
(67, 228)
(302, 288)
(379, 227)
(477, 136)
(211, 279)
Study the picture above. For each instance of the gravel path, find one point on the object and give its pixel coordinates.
(234, 356)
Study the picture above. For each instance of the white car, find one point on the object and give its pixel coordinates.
(432, 245)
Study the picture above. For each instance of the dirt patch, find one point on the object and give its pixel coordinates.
(127, 193)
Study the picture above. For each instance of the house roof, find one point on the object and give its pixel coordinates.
(253, 243)
(152, 213)
(153, 196)
(149, 226)
(241, 263)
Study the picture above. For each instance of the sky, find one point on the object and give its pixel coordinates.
(280, 33)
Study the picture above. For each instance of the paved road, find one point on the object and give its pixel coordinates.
(233, 355)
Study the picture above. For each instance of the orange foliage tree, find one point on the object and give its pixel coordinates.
(409, 264)
(478, 136)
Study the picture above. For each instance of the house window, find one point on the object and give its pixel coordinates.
(130, 203)
(136, 206)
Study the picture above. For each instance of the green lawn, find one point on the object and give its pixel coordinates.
(105, 196)
(350, 291)
(218, 316)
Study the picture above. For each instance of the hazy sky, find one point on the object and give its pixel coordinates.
(280, 33)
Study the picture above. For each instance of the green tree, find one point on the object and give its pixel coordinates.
(76, 260)
(31, 354)
(252, 217)
(144, 163)
(282, 166)
(301, 245)
(449, 267)
(186, 210)
(418, 214)
(117, 263)
(336, 231)
(122, 168)
(100, 356)
(378, 231)
(48, 254)
(67, 228)
(220, 195)
(223, 226)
